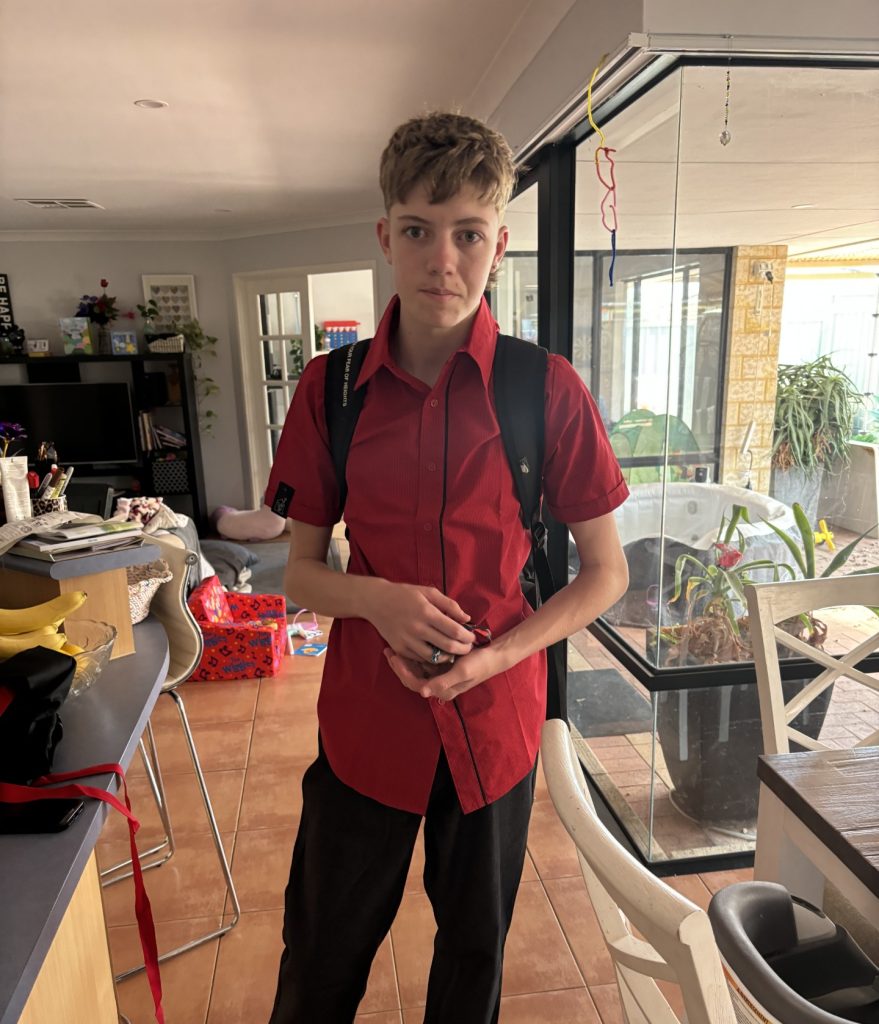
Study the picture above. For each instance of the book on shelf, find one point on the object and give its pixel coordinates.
(62, 550)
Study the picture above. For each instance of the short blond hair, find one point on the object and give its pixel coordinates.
(445, 152)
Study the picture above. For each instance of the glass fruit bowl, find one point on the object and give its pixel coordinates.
(96, 640)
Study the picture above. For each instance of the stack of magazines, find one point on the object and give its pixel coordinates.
(56, 543)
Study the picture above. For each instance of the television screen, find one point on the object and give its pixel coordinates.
(89, 423)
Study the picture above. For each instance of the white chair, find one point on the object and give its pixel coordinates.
(770, 603)
(185, 646)
(677, 945)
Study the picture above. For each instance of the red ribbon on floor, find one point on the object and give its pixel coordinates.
(15, 794)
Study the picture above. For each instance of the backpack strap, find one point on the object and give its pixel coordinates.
(519, 374)
(342, 405)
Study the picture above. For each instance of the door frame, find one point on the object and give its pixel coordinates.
(246, 285)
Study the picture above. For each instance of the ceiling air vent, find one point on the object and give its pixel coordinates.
(61, 204)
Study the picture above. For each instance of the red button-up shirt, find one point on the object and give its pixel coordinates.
(431, 501)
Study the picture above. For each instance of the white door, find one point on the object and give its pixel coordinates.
(277, 340)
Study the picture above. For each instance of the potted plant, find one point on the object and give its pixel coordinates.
(201, 345)
(711, 736)
(815, 409)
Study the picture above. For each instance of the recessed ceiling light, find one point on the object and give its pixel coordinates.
(151, 104)
(803, 206)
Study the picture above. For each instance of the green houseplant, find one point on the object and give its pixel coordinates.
(202, 346)
(815, 409)
(711, 737)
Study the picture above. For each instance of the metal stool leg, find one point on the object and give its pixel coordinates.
(154, 777)
(218, 844)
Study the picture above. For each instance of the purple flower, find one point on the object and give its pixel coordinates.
(10, 432)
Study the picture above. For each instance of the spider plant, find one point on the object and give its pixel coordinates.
(815, 409)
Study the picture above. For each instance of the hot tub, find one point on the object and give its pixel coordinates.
(654, 537)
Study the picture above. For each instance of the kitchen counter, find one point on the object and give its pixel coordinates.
(40, 873)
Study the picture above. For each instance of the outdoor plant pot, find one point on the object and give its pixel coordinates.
(711, 737)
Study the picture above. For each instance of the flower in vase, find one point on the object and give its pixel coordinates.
(101, 309)
(10, 432)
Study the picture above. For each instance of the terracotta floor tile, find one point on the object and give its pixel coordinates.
(251, 952)
(185, 806)
(541, 791)
(381, 992)
(261, 867)
(607, 1002)
(227, 700)
(692, 887)
(388, 1017)
(716, 880)
(186, 979)
(571, 903)
(569, 1006)
(550, 846)
(189, 885)
(285, 695)
(537, 957)
(221, 746)
(412, 934)
(272, 796)
(289, 740)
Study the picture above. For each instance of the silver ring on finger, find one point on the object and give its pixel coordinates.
(436, 654)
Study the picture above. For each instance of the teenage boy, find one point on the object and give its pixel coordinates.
(415, 721)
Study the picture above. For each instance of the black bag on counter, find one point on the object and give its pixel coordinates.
(33, 686)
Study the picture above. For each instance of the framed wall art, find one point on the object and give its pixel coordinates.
(174, 295)
(123, 343)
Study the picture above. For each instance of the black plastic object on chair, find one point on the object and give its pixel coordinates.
(800, 966)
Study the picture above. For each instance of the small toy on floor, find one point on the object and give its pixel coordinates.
(307, 630)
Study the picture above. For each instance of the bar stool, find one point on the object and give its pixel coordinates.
(185, 649)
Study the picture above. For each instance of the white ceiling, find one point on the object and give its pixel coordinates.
(799, 136)
(278, 112)
(278, 109)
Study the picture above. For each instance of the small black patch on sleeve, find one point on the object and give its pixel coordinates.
(283, 497)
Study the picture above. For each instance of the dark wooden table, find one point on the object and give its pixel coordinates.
(819, 820)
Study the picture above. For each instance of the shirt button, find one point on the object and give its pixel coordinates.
(428, 527)
(433, 403)
(431, 466)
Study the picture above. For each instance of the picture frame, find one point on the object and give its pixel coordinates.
(123, 343)
(174, 295)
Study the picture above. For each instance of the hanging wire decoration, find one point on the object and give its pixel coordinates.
(725, 136)
(606, 176)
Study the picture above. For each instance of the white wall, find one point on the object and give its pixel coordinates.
(48, 277)
(842, 19)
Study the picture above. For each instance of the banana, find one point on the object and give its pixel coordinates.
(10, 645)
(49, 613)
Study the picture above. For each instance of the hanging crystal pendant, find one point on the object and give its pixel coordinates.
(725, 138)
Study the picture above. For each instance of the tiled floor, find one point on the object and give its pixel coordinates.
(255, 739)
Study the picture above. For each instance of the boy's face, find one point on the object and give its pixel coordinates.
(442, 254)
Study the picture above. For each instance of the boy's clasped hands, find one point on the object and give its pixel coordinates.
(432, 646)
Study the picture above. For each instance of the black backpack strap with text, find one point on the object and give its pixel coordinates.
(519, 388)
(342, 404)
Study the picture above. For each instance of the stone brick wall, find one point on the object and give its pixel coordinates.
(752, 363)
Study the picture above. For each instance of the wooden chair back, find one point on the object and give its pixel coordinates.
(676, 942)
(772, 603)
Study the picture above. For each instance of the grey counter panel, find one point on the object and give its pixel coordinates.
(82, 565)
(39, 873)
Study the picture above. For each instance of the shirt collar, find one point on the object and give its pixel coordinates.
(479, 346)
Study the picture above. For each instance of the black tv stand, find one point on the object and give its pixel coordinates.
(162, 385)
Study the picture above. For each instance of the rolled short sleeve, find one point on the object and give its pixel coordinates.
(302, 483)
(582, 478)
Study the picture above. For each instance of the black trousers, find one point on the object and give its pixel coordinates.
(350, 863)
